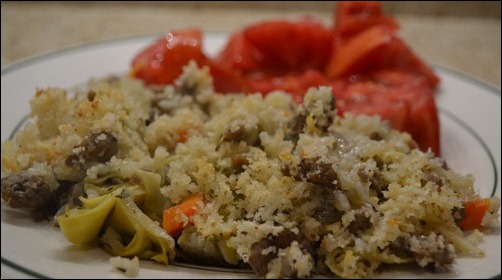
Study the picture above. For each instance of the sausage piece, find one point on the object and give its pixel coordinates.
(24, 190)
(429, 251)
(38, 193)
(97, 148)
(313, 170)
(267, 249)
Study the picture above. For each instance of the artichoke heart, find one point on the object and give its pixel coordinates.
(124, 218)
(83, 225)
(147, 239)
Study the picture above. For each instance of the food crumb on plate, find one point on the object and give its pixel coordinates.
(130, 267)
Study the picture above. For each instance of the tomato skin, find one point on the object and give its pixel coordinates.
(291, 46)
(226, 79)
(279, 54)
(370, 98)
(162, 62)
(239, 54)
(425, 124)
(377, 48)
(398, 56)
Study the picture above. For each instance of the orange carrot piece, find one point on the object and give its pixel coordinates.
(475, 210)
(182, 135)
(174, 218)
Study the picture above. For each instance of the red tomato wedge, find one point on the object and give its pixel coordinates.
(238, 54)
(162, 62)
(291, 46)
(404, 99)
(370, 69)
(226, 79)
(355, 55)
(295, 84)
(377, 48)
(400, 56)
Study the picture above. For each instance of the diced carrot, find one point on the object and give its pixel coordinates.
(475, 211)
(175, 218)
(182, 135)
(186, 132)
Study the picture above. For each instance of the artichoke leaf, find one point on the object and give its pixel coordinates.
(147, 239)
(153, 200)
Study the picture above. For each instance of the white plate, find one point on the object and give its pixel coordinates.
(470, 117)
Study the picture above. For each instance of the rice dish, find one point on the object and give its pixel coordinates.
(288, 190)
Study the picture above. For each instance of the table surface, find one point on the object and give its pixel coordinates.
(468, 44)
